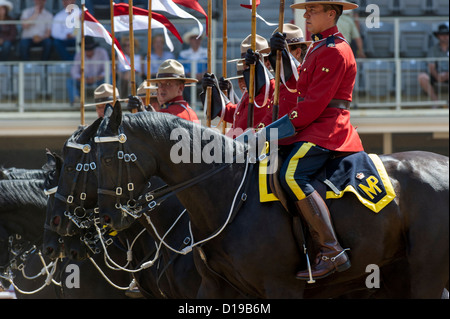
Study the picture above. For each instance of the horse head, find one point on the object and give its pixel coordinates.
(122, 174)
(77, 182)
(52, 242)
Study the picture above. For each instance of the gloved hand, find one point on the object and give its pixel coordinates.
(209, 80)
(278, 41)
(224, 85)
(252, 57)
(135, 103)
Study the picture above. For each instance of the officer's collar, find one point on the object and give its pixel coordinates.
(325, 34)
(177, 100)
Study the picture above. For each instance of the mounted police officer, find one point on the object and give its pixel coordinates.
(321, 117)
(170, 82)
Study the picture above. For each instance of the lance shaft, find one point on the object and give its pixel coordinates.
(82, 80)
(209, 89)
(149, 52)
(276, 100)
(113, 52)
(251, 90)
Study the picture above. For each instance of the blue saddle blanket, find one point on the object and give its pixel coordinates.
(363, 175)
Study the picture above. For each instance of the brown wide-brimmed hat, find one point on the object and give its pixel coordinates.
(345, 5)
(172, 70)
(141, 91)
(104, 92)
(239, 71)
(294, 35)
(261, 46)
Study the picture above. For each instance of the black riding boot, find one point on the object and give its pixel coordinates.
(331, 256)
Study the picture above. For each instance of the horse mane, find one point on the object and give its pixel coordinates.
(21, 173)
(159, 126)
(20, 192)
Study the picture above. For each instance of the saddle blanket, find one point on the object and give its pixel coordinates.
(360, 173)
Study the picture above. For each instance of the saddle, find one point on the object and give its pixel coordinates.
(359, 173)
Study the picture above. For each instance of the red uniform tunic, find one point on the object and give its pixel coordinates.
(179, 107)
(327, 73)
(238, 113)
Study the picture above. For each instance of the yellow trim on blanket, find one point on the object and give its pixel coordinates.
(390, 193)
(264, 195)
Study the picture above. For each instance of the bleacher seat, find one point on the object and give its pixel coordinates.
(410, 72)
(378, 78)
(33, 82)
(5, 81)
(413, 7)
(379, 42)
(386, 7)
(440, 7)
(57, 75)
(414, 39)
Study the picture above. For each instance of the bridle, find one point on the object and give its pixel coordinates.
(81, 217)
(126, 158)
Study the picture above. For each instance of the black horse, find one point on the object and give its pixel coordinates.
(255, 248)
(22, 213)
(171, 276)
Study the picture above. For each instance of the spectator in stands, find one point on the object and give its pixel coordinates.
(8, 32)
(437, 71)
(63, 33)
(94, 71)
(36, 30)
(125, 75)
(195, 54)
(347, 26)
(159, 55)
(104, 93)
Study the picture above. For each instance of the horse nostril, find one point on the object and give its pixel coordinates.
(106, 219)
(56, 221)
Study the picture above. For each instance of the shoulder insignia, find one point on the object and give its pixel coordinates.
(293, 115)
(330, 41)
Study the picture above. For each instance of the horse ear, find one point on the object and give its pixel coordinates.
(51, 160)
(116, 117)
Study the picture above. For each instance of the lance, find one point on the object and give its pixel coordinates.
(82, 80)
(113, 52)
(149, 51)
(251, 90)
(209, 89)
(224, 50)
(276, 99)
(133, 71)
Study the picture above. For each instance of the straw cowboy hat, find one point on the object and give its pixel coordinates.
(261, 46)
(6, 4)
(104, 93)
(345, 5)
(141, 91)
(294, 35)
(172, 70)
(195, 32)
(239, 71)
(442, 29)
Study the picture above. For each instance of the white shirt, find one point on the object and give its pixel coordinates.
(63, 23)
(39, 26)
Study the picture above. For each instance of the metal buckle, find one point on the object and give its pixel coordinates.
(79, 167)
(152, 205)
(93, 165)
(130, 187)
(119, 191)
(70, 199)
(148, 197)
(133, 157)
(120, 155)
(83, 196)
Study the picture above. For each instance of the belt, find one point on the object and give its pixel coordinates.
(338, 104)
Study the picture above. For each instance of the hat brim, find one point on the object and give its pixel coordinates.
(440, 33)
(185, 80)
(345, 5)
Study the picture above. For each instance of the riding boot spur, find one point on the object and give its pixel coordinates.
(331, 256)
